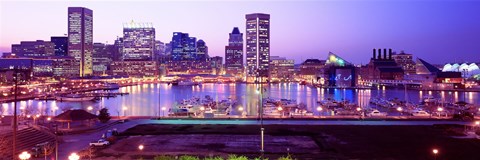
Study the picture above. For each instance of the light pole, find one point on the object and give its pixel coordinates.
(319, 109)
(124, 111)
(465, 74)
(15, 127)
(435, 152)
(74, 156)
(260, 108)
(280, 109)
(140, 147)
(240, 109)
(90, 108)
(400, 109)
(24, 155)
(163, 111)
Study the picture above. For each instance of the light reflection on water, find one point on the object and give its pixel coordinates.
(143, 100)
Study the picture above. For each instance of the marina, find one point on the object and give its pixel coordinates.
(243, 99)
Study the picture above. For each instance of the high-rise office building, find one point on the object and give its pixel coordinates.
(35, 49)
(102, 58)
(202, 50)
(118, 49)
(61, 45)
(234, 53)
(258, 46)
(80, 38)
(183, 47)
(138, 41)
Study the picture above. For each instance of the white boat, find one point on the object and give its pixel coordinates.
(74, 98)
(187, 83)
(428, 99)
(111, 86)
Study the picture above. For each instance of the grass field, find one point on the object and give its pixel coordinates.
(301, 141)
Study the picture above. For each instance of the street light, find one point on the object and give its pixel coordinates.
(24, 155)
(124, 111)
(163, 110)
(319, 109)
(89, 108)
(400, 109)
(435, 152)
(74, 156)
(240, 108)
(439, 109)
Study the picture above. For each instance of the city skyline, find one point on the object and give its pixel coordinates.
(420, 28)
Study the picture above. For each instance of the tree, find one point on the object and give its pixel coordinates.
(104, 116)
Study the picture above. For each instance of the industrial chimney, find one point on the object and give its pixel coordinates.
(390, 53)
(384, 53)
(379, 54)
(374, 53)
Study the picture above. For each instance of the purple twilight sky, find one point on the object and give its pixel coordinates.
(437, 31)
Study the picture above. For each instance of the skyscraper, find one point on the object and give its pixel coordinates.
(258, 46)
(138, 41)
(183, 47)
(80, 38)
(61, 45)
(234, 53)
(202, 50)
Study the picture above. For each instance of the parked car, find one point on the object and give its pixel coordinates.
(100, 142)
(376, 113)
(420, 114)
(464, 116)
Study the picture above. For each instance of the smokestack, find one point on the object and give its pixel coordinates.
(374, 53)
(390, 53)
(384, 53)
(379, 54)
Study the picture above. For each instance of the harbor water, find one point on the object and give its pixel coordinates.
(148, 99)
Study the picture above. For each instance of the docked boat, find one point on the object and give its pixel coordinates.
(111, 86)
(428, 99)
(187, 83)
(45, 97)
(74, 98)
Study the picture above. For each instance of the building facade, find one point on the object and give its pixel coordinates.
(80, 38)
(183, 47)
(282, 69)
(60, 45)
(102, 58)
(234, 54)
(202, 51)
(32, 49)
(406, 62)
(382, 67)
(217, 65)
(138, 41)
(257, 46)
(137, 69)
(310, 69)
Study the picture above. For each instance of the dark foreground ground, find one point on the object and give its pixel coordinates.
(301, 141)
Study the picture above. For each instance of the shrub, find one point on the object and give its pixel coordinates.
(285, 158)
(104, 116)
(164, 157)
(235, 157)
(187, 157)
(214, 158)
